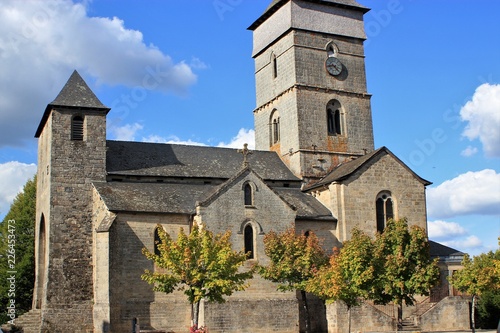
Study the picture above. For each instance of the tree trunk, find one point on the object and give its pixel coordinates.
(196, 312)
(306, 311)
(400, 315)
(473, 314)
(349, 317)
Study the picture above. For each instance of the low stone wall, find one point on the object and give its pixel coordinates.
(252, 316)
(364, 318)
(452, 313)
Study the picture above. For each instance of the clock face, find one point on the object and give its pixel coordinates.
(333, 65)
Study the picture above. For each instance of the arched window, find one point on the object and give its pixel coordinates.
(248, 234)
(384, 206)
(274, 64)
(77, 128)
(334, 118)
(248, 194)
(274, 127)
(42, 246)
(157, 242)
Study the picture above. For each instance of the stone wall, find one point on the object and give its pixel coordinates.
(130, 296)
(353, 201)
(364, 318)
(253, 316)
(451, 314)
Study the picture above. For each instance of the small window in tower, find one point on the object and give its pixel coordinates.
(274, 128)
(334, 118)
(331, 49)
(274, 64)
(248, 194)
(384, 207)
(77, 128)
(248, 234)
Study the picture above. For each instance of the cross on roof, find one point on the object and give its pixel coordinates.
(245, 151)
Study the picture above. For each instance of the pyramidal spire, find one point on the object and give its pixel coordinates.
(77, 93)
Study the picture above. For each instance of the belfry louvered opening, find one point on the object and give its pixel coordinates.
(77, 128)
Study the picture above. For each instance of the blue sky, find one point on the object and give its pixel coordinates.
(181, 71)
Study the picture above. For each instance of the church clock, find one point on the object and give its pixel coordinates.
(333, 66)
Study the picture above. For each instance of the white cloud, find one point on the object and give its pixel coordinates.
(471, 242)
(445, 230)
(126, 132)
(13, 176)
(482, 113)
(469, 193)
(171, 139)
(41, 42)
(243, 136)
(469, 151)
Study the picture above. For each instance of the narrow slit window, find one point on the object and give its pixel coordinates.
(248, 234)
(248, 194)
(276, 130)
(77, 128)
(274, 62)
(274, 127)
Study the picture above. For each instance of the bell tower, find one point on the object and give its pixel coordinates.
(313, 108)
(71, 155)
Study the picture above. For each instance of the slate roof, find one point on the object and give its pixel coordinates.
(172, 160)
(75, 94)
(344, 170)
(182, 198)
(152, 197)
(307, 206)
(440, 250)
(277, 4)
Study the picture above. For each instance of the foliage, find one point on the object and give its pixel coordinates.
(350, 275)
(402, 257)
(479, 277)
(201, 264)
(488, 309)
(479, 274)
(22, 232)
(403, 265)
(294, 259)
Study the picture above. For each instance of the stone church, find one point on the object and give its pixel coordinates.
(315, 167)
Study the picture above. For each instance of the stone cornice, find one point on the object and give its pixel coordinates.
(311, 88)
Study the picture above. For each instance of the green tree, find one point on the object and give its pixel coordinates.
(349, 276)
(406, 269)
(478, 276)
(293, 261)
(17, 237)
(201, 263)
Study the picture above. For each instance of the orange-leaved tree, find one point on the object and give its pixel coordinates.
(294, 259)
(350, 275)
